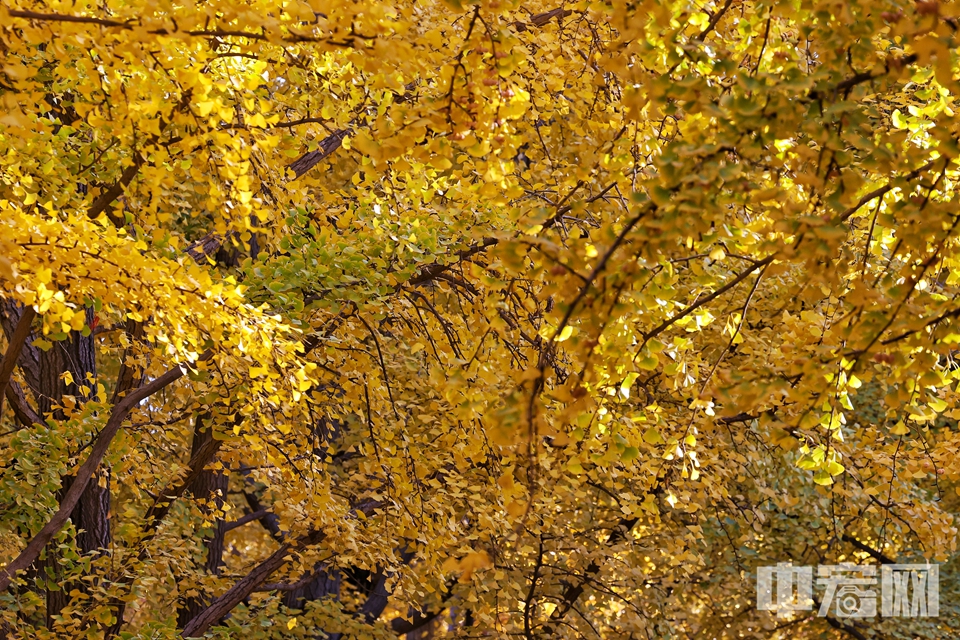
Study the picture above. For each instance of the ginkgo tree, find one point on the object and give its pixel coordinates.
(480, 319)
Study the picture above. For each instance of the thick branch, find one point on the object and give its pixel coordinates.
(159, 509)
(239, 522)
(876, 555)
(21, 408)
(161, 506)
(253, 580)
(17, 340)
(309, 160)
(106, 198)
(236, 594)
(401, 626)
(431, 271)
(127, 377)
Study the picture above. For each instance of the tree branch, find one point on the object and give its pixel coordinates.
(239, 522)
(876, 555)
(129, 25)
(243, 588)
(573, 591)
(21, 408)
(17, 340)
(253, 580)
(663, 326)
(310, 159)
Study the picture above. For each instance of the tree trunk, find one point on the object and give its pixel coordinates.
(43, 372)
(211, 487)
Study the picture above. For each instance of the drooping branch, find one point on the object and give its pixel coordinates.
(86, 471)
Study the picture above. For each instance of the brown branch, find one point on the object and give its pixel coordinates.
(126, 379)
(59, 17)
(86, 471)
(161, 506)
(205, 246)
(130, 24)
(866, 76)
(541, 19)
(21, 408)
(598, 269)
(106, 198)
(297, 123)
(573, 592)
(431, 271)
(876, 555)
(211, 243)
(666, 324)
(223, 605)
(268, 520)
(876, 193)
(715, 20)
(253, 580)
(17, 340)
(401, 626)
(310, 159)
(155, 514)
(283, 586)
(239, 522)
(853, 632)
(740, 417)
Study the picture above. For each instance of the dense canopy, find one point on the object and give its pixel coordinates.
(539, 319)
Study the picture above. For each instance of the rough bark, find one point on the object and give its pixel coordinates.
(210, 487)
(43, 371)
